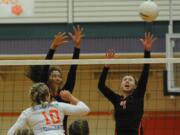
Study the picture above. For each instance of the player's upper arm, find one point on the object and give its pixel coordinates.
(19, 124)
(79, 109)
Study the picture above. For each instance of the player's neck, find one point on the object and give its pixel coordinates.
(126, 93)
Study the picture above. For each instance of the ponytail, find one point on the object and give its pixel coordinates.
(39, 93)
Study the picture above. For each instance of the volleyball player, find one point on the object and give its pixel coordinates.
(79, 127)
(46, 118)
(52, 76)
(129, 106)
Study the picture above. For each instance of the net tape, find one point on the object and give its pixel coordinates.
(90, 61)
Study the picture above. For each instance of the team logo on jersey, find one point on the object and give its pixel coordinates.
(123, 104)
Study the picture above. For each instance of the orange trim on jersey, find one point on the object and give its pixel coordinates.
(115, 132)
(139, 129)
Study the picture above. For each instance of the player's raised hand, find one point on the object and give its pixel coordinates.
(77, 35)
(110, 54)
(65, 95)
(59, 39)
(148, 41)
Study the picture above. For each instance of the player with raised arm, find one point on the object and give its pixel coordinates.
(129, 107)
(52, 76)
(45, 117)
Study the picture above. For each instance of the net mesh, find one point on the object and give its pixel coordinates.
(162, 113)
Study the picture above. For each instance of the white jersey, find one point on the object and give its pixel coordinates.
(48, 120)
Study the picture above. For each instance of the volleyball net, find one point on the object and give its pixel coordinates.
(162, 113)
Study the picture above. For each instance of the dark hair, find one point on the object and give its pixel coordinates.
(34, 73)
(38, 93)
(136, 82)
(24, 132)
(79, 127)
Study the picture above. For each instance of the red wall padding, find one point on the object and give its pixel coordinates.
(161, 126)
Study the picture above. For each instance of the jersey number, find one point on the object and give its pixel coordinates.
(54, 117)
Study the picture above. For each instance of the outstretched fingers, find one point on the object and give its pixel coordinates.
(148, 41)
(110, 53)
(77, 35)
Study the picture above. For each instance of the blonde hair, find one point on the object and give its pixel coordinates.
(38, 94)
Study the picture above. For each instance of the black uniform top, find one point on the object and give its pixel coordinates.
(71, 78)
(127, 119)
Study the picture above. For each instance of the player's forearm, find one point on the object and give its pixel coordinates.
(102, 79)
(50, 53)
(73, 100)
(76, 53)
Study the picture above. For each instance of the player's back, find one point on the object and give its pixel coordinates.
(45, 120)
(48, 119)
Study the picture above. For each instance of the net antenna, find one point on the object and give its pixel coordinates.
(172, 51)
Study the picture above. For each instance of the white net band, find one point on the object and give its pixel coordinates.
(90, 61)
